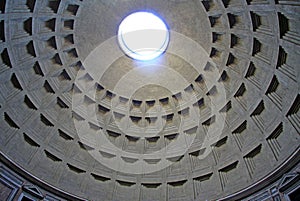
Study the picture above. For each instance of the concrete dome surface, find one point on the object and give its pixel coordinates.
(214, 117)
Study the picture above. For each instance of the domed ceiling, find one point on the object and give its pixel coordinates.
(214, 115)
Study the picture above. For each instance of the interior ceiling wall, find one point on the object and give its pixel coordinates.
(252, 44)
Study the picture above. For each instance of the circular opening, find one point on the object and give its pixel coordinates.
(143, 36)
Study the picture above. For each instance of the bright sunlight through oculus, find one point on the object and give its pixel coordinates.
(143, 36)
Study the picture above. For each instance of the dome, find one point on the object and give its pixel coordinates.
(214, 117)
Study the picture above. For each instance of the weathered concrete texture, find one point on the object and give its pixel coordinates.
(239, 104)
